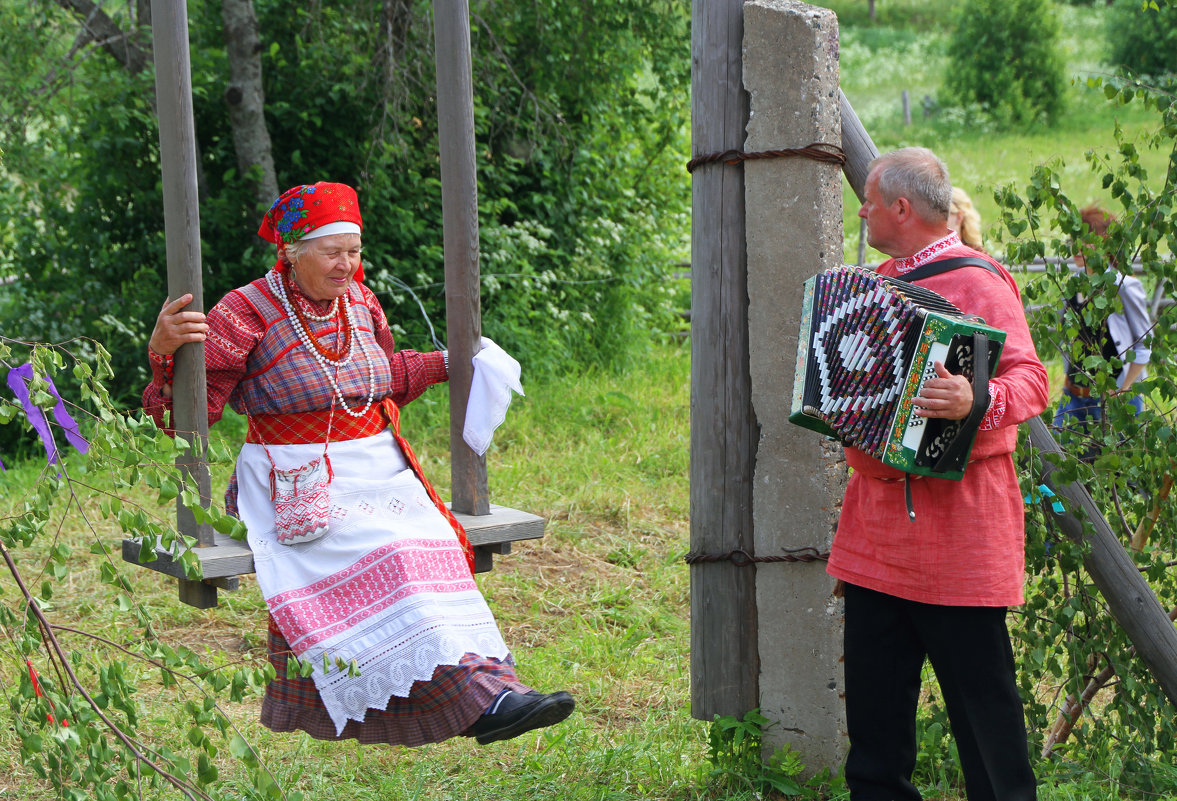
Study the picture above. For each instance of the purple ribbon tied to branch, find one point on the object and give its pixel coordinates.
(18, 381)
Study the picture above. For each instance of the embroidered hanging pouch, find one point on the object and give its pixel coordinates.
(302, 501)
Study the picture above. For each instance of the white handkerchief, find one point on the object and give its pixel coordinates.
(496, 375)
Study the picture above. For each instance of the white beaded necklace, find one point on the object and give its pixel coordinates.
(332, 310)
(274, 279)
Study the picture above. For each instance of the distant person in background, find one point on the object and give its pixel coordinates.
(964, 219)
(1125, 334)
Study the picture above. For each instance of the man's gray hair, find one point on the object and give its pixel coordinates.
(919, 175)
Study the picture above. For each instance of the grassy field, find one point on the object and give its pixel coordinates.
(904, 49)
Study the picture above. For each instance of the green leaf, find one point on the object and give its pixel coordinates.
(238, 747)
(206, 771)
(168, 490)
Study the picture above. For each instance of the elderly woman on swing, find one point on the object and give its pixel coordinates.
(359, 561)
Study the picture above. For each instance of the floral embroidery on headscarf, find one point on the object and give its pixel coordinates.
(305, 208)
(291, 214)
(296, 213)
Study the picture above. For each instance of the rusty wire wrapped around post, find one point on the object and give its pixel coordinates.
(818, 151)
(741, 558)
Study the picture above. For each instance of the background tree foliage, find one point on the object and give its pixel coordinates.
(580, 119)
(1066, 635)
(1005, 59)
(1143, 40)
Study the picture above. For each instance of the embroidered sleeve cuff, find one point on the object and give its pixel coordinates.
(437, 366)
(163, 368)
(993, 417)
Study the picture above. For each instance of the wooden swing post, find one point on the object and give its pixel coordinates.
(459, 204)
(181, 209)
(491, 529)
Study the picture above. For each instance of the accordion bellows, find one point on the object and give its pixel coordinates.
(867, 344)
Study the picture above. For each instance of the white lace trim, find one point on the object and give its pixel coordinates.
(390, 669)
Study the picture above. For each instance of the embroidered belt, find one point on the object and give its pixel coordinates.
(904, 477)
(307, 428)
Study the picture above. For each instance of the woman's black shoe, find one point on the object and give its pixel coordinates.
(518, 713)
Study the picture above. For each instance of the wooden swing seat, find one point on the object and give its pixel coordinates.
(223, 562)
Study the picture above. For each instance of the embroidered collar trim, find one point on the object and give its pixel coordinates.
(909, 263)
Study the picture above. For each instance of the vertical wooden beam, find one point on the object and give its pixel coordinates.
(725, 663)
(459, 201)
(177, 147)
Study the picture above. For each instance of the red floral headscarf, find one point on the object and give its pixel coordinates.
(303, 210)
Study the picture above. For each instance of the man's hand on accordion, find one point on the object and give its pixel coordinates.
(947, 395)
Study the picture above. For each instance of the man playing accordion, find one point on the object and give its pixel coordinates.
(937, 586)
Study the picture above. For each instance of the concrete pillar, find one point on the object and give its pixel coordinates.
(794, 229)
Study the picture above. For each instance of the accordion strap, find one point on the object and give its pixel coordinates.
(956, 453)
(944, 265)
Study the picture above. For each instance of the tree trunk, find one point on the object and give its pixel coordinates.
(101, 28)
(246, 100)
(1073, 707)
(395, 21)
(97, 26)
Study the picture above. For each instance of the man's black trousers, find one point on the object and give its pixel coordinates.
(886, 641)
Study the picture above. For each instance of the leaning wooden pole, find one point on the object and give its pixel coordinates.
(1132, 602)
(859, 148)
(725, 664)
(459, 202)
(181, 209)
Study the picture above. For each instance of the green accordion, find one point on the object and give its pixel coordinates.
(866, 346)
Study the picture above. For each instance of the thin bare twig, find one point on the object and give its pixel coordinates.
(186, 787)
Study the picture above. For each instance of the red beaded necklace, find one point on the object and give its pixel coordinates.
(343, 321)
